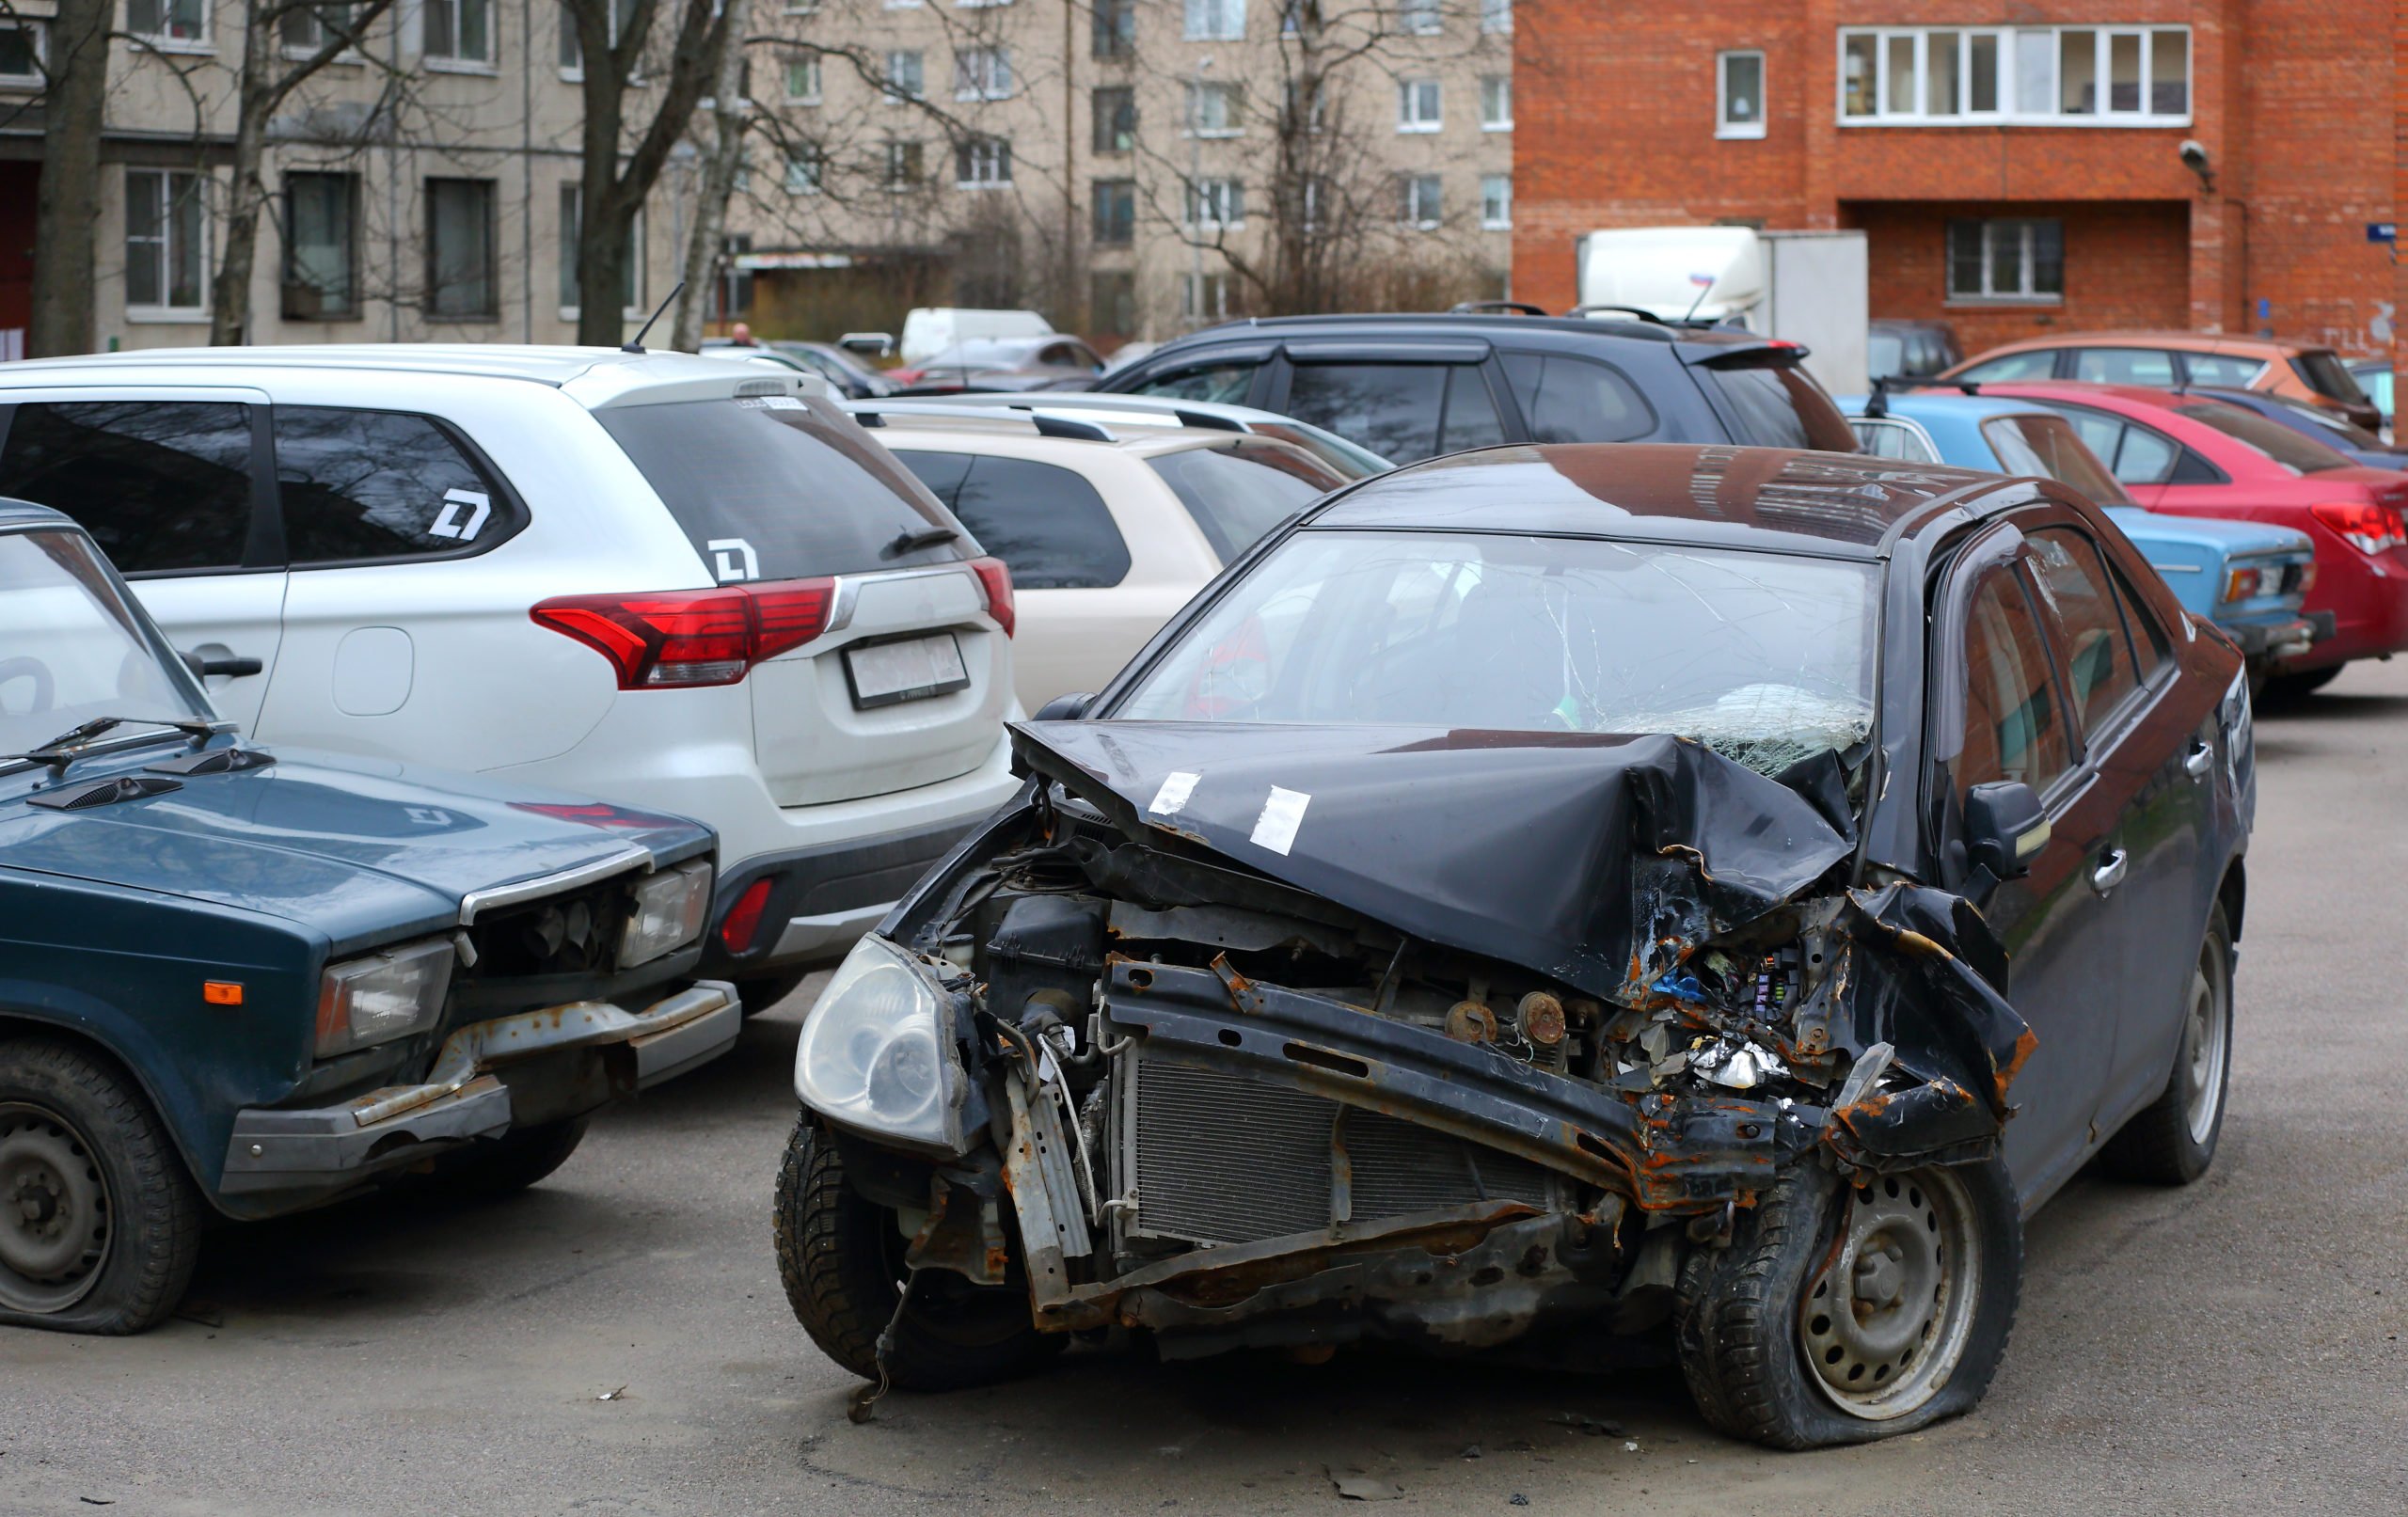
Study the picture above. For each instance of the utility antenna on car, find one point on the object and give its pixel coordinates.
(634, 343)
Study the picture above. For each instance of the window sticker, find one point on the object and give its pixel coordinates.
(463, 514)
(733, 561)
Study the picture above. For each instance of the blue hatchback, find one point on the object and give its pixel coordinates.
(247, 982)
(2247, 578)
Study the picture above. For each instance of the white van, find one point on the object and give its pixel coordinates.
(929, 330)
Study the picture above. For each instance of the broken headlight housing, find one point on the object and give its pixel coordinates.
(667, 912)
(874, 1055)
(380, 997)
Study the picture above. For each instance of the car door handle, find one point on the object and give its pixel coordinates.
(236, 667)
(2110, 872)
(2200, 759)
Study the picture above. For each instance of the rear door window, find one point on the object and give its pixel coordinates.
(776, 487)
(164, 487)
(2221, 368)
(1046, 522)
(1241, 490)
(1403, 411)
(2035, 363)
(1228, 382)
(1576, 400)
(382, 485)
(2123, 366)
(2293, 450)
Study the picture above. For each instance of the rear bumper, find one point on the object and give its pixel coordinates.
(822, 900)
(2368, 601)
(491, 1076)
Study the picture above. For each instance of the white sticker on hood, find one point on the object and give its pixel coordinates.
(1282, 814)
(1177, 786)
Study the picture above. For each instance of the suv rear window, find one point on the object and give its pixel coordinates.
(2327, 377)
(2292, 450)
(1241, 490)
(773, 487)
(1782, 408)
(1575, 400)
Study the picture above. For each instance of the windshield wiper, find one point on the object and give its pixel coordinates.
(908, 540)
(60, 750)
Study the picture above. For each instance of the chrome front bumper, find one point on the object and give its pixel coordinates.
(330, 1147)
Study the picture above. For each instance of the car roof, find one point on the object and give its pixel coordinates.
(2085, 390)
(543, 364)
(1141, 435)
(1952, 402)
(1409, 325)
(16, 513)
(1848, 505)
(2137, 337)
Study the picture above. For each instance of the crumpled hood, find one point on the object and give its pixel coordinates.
(357, 849)
(1594, 860)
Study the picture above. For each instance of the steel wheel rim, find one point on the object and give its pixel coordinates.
(1884, 1323)
(2206, 1039)
(54, 1211)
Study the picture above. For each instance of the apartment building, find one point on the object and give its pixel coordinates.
(2218, 165)
(1133, 167)
(425, 188)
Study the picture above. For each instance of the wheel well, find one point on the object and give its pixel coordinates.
(2231, 894)
(13, 1026)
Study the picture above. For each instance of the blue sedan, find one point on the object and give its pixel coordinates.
(2247, 578)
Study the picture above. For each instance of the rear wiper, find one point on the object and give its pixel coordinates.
(59, 750)
(908, 540)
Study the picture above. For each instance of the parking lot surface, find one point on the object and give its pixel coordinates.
(615, 1341)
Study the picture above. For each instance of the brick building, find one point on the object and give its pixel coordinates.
(2018, 165)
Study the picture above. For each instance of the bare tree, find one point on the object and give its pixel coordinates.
(617, 175)
(721, 161)
(76, 79)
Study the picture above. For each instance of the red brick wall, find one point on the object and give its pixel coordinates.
(2124, 267)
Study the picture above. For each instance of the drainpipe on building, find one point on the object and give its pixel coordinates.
(1194, 207)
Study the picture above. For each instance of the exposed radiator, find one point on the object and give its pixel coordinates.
(1220, 1157)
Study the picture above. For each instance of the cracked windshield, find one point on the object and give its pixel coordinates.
(1765, 658)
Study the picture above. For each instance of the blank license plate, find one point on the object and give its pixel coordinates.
(883, 673)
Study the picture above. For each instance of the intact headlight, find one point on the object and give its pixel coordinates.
(362, 1001)
(874, 1054)
(669, 910)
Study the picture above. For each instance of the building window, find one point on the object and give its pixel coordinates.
(982, 73)
(460, 285)
(2025, 75)
(572, 230)
(1497, 103)
(1497, 17)
(1115, 123)
(2018, 259)
(1215, 202)
(572, 57)
(1497, 202)
(1112, 30)
(1740, 94)
(1214, 110)
(21, 54)
(906, 166)
(321, 247)
(802, 80)
(799, 8)
(1215, 20)
(905, 78)
(1419, 200)
(303, 29)
(1116, 212)
(806, 170)
(1112, 302)
(1417, 105)
(982, 163)
(1420, 18)
(459, 31)
(1204, 297)
(168, 20)
(166, 241)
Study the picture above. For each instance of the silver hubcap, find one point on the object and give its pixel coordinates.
(54, 1212)
(1886, 1320)
(2205, 1036)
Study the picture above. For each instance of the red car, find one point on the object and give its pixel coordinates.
(2188, 455)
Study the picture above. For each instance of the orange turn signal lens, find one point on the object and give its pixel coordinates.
(222, 992)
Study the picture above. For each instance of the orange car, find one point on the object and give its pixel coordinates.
(2173, 360)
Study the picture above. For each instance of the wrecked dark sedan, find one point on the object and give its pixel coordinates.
(1550, 894)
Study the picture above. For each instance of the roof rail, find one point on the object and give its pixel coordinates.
(1495, 308)
(874, 414)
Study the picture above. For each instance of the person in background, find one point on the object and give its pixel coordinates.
(741, 335)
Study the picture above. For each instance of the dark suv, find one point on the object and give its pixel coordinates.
(1411, 385)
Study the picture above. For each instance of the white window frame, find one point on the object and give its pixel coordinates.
(811, 65)
(165, 41)
(1489, 202)
(1211, 202)
(989, 161)
(1214, 21)
(982, 72)
(800, 7)
(1232, 99)
(38, 28)
(1420, 18)
(889, 88)
(1409, 206)
(1191, 299)
(168, 177)
(794, 183)
(2024, 262)
(2043, 44)
(1410, 99)
(1723, 125)
(1496, 18)
(895, 152)
(299, 51)
(462, 62)
(1496, 89)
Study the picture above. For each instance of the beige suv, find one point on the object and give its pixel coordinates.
(1109, 520)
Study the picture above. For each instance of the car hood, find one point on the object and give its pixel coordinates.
(359, 850)
(1581, 857)
(2231, 539)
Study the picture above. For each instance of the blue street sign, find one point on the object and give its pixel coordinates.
(2382, 231)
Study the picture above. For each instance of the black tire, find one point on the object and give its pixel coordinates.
(759, 995)
(492, 1168)
(2281, 687)
(1747, 1311)
(2172, 1141)
(100, 1225)
(841, 1258)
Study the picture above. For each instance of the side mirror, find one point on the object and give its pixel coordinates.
(2004, 827)
(1065, 708)
(868, 344)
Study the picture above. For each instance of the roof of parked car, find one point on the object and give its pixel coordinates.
(2194, 342)
(545, 365)
(2083, 389)
(1469, 324)
(1849, 504)
(15, 512)
(1132, 432)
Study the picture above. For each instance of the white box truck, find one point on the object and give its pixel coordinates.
(1806, 286)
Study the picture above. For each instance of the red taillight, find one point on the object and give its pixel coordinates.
(996, 578)
(904, 376)
(678, 639)
(2363, 524)
(744, 917)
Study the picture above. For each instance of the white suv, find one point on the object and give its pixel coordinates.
(669, 581)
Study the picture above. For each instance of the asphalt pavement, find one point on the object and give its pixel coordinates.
(615, 1341)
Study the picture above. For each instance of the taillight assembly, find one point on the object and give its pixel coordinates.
(995, 579)
(2369, 526)
(744, 918)
(681, 639)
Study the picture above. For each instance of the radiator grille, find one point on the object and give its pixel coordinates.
(1220, 1157)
